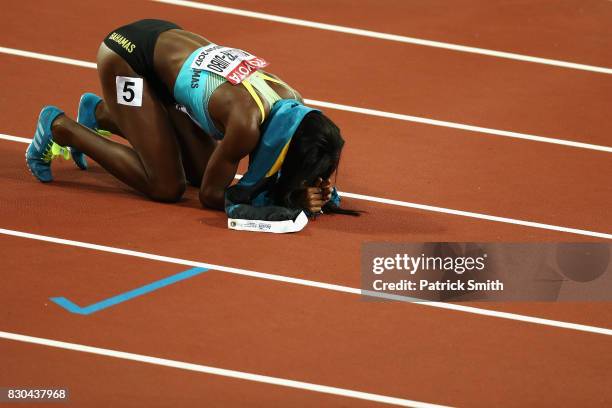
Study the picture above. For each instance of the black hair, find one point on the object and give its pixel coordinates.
(314, 152)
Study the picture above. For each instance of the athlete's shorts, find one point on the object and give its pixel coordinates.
(135, 43)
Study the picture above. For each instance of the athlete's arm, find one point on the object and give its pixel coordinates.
(241, 138)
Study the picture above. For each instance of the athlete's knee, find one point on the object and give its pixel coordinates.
(167, 192)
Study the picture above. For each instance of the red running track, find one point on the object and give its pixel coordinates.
(300, 333)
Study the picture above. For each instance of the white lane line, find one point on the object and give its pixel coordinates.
(454, 125)
(308, 283)
(480, 216)
(15, 138)
(385, 36)
(435, 209)
(324, 389)
(46, 57)
(363, 111)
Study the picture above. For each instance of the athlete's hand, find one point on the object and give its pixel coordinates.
(326, 189)
(314, 198)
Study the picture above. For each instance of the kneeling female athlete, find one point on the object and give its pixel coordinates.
(192, 110)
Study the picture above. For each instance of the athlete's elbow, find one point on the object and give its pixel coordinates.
(212, 198)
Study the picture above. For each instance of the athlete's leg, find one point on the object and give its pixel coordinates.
(196, 146)
(153, 165)
(105, 120)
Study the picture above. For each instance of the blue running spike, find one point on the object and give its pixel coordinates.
(39, 153)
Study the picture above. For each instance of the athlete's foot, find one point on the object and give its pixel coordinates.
(43, 148)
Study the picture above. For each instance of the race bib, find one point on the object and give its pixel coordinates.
(233, 64)
(129, 91)
(275, 227)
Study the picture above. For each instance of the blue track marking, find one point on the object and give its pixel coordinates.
(71, 307)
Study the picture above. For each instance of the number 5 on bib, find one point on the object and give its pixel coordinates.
(129, 91)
